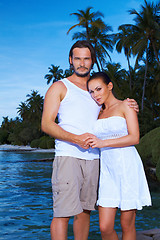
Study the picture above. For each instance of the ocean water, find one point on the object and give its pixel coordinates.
(26, 200)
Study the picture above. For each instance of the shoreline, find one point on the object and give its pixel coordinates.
(17, 148)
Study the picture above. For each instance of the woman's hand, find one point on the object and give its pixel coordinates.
(83, 140)
(95, 142)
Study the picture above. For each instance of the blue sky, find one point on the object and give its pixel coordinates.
(33, 36)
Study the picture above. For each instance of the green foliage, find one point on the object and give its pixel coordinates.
(46, 142)
(35, 143)
(22, 132)
(158, 169)
(3, 136)
(156, 149)
(14, 140)
(149, 146)
(30, 111)
(149, 149)
(43, 142)
(50, 143)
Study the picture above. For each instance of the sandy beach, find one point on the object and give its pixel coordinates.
(10, 148)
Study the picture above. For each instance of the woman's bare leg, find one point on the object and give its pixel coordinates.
(128, 224)
(106, 223)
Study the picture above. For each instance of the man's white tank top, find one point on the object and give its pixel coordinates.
(77, 114)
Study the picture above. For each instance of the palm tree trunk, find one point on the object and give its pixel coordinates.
(98, 65)
(145, 77)
(130, 77)
(100, 68)
(87, 31)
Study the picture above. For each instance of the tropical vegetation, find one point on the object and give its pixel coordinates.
(139, 42)
(149, 150)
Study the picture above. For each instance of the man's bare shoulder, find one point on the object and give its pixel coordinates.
(57, 88)
(59, 85)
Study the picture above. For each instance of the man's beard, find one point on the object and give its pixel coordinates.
(82, 74)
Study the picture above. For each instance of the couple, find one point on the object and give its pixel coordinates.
(76, 165)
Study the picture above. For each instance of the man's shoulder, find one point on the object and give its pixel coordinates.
(57, 88)
(58, 85)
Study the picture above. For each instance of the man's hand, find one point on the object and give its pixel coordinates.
(95, 142)
(133, 104)
(82, 140)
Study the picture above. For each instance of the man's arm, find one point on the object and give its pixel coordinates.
(53, 98)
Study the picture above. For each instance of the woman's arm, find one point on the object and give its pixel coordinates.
(133, 131)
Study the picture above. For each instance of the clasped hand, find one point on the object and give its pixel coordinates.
(87, 140)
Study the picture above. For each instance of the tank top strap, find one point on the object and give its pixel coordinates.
(69, 85)
(66, 82)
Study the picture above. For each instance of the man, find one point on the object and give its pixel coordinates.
(76, 166)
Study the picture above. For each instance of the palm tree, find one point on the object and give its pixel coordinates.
(54, 74)
(87, 19)
(145, 34)
(96, 32)
(31, 110)
(118, 77)
(5, 123)
(121, 43)
(23, 110)
(67, 73)
(35, 106)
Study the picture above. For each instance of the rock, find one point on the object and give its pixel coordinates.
(120, 236)
(141, 236)
(156, 236)
(152, 234)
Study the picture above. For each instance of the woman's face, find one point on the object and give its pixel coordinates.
(99, 90)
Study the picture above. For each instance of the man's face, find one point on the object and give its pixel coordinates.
(81, 61)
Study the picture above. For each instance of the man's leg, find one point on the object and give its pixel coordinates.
(81, 225)
(59, 227)
(88, 197)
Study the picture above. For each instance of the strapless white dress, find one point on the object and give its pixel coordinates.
(122, 181)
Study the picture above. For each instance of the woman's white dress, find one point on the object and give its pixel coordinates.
(122, 179)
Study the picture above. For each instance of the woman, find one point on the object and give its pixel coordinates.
(122, 179)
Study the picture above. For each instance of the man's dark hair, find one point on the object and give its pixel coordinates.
(84, 44)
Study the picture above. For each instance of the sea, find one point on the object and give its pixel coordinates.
(26, 199)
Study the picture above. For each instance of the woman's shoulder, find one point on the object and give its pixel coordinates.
(123, 107)
(121, 104)
(124, 104)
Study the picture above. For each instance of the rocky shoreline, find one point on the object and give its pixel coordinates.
(152, 234)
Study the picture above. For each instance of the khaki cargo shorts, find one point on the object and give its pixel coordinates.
(74, 185)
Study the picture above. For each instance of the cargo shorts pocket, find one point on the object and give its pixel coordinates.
(60, 187)
(60, 192)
